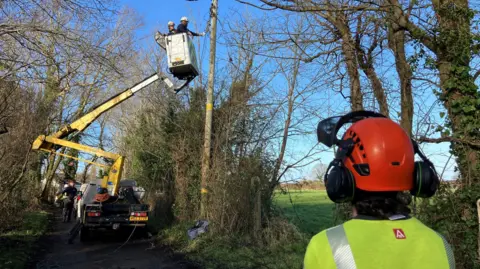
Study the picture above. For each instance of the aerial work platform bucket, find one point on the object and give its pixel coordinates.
(182, 60)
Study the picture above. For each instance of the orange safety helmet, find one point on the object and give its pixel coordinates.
(376, 155)
(382, 158)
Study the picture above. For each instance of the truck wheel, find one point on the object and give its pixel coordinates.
(84, 234)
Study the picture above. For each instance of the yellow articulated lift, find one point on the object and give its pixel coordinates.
(59, 139)
(115, 204)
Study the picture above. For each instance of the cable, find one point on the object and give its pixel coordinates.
(128, 239)
(207, 29)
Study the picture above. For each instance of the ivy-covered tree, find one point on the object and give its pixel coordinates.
(452, 43)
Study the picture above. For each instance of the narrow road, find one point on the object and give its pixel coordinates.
(105, 251)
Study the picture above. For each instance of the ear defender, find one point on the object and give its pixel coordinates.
(425, 182)
(339, 180)
(340, 183)
(425, 178)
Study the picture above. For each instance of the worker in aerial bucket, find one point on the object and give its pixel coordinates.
(171, 28)
(183, 28)
(373, 167)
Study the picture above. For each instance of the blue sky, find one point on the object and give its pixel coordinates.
(156, 14)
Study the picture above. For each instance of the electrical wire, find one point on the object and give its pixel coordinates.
(128, 239)
(207, 29)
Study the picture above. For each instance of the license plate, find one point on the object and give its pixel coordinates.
(132, 218)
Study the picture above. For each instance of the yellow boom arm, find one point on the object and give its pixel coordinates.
(114, 175)
(57, 140)
(83, 122)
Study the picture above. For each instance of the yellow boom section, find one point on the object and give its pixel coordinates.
(83, 122)
(114, 175)
(57, 140)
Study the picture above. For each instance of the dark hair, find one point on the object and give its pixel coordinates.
(381, 205)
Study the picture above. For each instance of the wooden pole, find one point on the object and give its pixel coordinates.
(478, 242)
(209, 112)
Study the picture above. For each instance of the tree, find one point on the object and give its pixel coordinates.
(360, 33)
(57, 59)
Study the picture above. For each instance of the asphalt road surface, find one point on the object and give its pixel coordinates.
(105, 250)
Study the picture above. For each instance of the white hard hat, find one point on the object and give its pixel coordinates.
(171, 23)
(184, 19)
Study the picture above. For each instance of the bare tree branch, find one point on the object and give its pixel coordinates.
(253, 5)
(448, 139)
(476, 75)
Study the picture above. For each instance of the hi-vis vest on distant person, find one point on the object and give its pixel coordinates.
(389, 245)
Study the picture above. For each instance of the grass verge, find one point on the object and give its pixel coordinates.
(17, 246)
(303, 214)
(236, 251)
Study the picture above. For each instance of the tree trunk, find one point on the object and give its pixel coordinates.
(356, 97)
(365, 61)
(459, 92)
(256, 190)
(461, 122)
(348, 50)
(20, 177)
(378, 90)
(291, 102)
(50, 174)
(396, 42)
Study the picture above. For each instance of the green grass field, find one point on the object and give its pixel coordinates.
(310, 211)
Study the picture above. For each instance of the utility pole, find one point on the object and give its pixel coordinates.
(209, 112)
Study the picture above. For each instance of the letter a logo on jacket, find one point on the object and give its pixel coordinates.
(399, 234)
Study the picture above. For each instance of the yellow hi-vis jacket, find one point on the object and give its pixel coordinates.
(367, 243)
